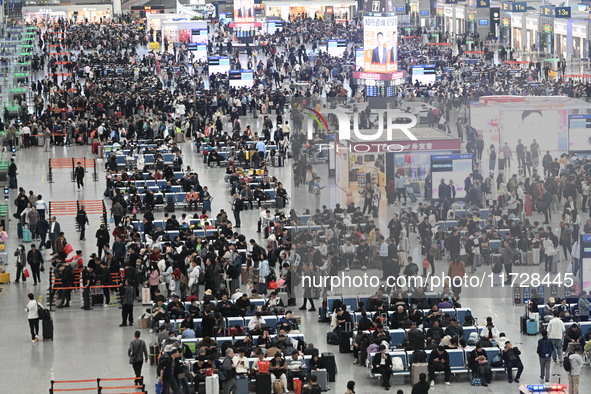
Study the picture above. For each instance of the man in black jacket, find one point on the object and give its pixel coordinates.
(82, 221)
(512, 360)
(35, 260)
(67, 281)
(79, 175)
(237, 207)
(439, 361)
(382, 364)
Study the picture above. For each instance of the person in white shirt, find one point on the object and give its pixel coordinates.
(348, 253)
(32, 310)
(256, 322)
(194, 271)
(240, 361)
(555, 334)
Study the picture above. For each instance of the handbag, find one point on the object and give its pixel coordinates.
(111, 220)
(426, 263)
(26, 273)
(476, 382)
(68, 249)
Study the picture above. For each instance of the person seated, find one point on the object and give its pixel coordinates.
(416, 337)
(382, 364)
(398, 317)
(265, 340)
(240, 362)
(435, 332)
(176, 308)
(296, 367)
(192, 199)
(287, 322)
(188, 333)
(278, 368)
(478, 364)
(439, 361)
(158, 313)
(210, 345)
(199, 369)
(187, 323)
(257, 323)
(343, 320)
(242, 304)
(454, 329)
(275, 303)
(511, 356)
(282, 341)
(225, 306)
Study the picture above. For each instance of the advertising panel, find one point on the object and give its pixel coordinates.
(241, 78)
(244, 11)
(453, 168)
(380, 42)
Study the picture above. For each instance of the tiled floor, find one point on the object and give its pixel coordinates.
(89, 344)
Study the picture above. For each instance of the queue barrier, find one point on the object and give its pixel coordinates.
(140, 385)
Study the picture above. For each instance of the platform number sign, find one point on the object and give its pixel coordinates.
(375, 6)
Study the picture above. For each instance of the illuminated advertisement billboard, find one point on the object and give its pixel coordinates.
(380, 40)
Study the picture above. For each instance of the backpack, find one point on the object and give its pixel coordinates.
(201, 279)
(473, 339)
(545, 348)
(566, 363)
(397, 364)
(497, 361)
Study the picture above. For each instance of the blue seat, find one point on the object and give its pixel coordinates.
(451, 311)
(232, 321)
(469, 330)
(495, 244)
(180, 198)
(457, 361)
(159, 223)
(350, 302)
(150, 182)
(330, 302)
(178, 175)
(176, 189)
(484, 213)
(161, 183)
(397, 336)
(451, 223)
(442, 224)
(403, 356)
(271, 321)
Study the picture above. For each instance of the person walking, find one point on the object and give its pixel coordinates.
(82, 221)
(422, 386)
(229, 369)
(457, 268)
(102, 239)
(545, 354)
(21, 263)
(576, 364)
(54, 232)
(555, 333)
(350, 387)
(35, 260)
(127, 296)
(12, 173)
(237, 206)
(117, 212)
(138, 354)
(32, 310)
(79, 175)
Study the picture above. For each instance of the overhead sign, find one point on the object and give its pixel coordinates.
(483, 4)
(518, 6)
(562, 12)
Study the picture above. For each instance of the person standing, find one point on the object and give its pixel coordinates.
(545, 354)
(138, 354)
(422, 386)
(117, 212)
(46, 139)
(67, 282)
(32, 310)
(42, 228)
(457, 268)
(79, 175)
(576, 364)
(229, 370)
(237, 207)
(12, 181)
(534, 148)
(82, 221)
(35, 260)
(21, 263)
(102, 238)
(54, 232)
(508, 257)
(127, 295)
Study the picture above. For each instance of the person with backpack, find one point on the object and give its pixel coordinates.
(382, 364)
(545, 353)
(573, 363)
(165, 371)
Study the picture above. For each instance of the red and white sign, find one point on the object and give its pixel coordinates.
(379, 76)
(407, 146)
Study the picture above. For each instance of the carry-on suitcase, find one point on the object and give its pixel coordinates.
(5, 277)
(497, 279)
(263, 383)
(332, 338)
(330, 365)
(26, 235)
(146, 296)
(417, 369)
(532, 327)
(101, 151)
(97, 299)
(212, 384)
(179, 137)
(523, 324)
(154, 352)
(19, 231)
(242, 383)
(47, 329)
(530, 258)
(279, 202)
(554, 265)
(345, 342)
(536, 256)
(323, 315)
(207, 205)
(277, 387)
(322, 375)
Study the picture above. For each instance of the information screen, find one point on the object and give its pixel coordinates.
(241, 78)
(199, 51)
(218, 64)
(450, 167)
(579, 133)
(199, 36)
(425, 74)
(336, 48)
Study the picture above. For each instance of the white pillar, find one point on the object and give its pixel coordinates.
(116, 7)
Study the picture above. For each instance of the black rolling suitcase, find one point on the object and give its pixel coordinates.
(330, 365)
(279, 202)
(523, 324)
(47, 329)
(263, 383)
(345, 339)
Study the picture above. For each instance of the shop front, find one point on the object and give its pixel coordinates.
(517, 27)
(579, 38)
(560, 37)
(330, 10)
(532, 28)
(81, 14)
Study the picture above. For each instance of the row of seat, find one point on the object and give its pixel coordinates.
(398, 335)
(458, 360)
(192, 342)
(253, 360)
(270, 320)
(149, 158)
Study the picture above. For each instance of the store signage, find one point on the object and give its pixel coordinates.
(483, 4)
(379, 77)
(547, 28)
(428, 145)
(506, 22)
